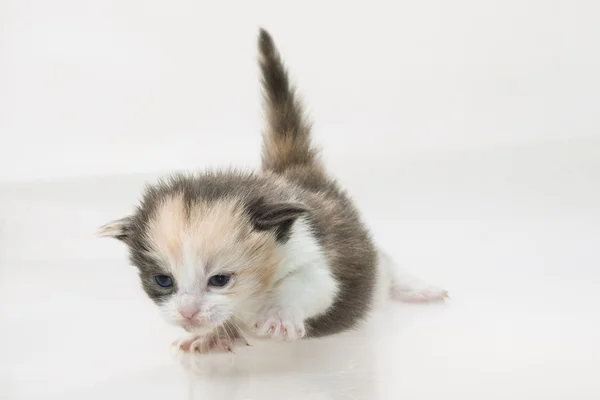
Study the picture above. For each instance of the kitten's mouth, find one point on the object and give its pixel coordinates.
(196, 325)
(199, 329)
(190, 325)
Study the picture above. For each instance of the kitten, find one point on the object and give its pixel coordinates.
(281, 253)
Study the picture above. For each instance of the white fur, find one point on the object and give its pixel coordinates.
(192, 263)
(305, 287)
(305, 276)
(192, 292)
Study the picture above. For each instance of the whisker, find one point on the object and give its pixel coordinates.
(239, 318)
(226, 326)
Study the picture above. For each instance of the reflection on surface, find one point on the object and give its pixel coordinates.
(339, 367)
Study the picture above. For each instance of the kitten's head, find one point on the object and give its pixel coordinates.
(202, 260)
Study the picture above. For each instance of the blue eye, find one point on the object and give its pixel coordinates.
(219, 280)
(164, 281)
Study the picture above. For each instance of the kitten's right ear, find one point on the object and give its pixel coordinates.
(119, 229)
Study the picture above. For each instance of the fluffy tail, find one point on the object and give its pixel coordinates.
(287, 136)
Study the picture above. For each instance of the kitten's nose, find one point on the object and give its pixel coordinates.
(188, 307)
(188, 312)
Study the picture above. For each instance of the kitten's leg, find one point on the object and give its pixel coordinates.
(223, 339)
(407, 287)
(305, 293)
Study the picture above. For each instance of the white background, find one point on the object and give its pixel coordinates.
(468, 131)
(95, 87)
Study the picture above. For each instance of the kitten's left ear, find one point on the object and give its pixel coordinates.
(119, 229)
(276, 217)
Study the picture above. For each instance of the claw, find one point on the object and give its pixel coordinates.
(281, 324)
(204, 344)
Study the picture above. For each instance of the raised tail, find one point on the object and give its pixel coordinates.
(287, 136)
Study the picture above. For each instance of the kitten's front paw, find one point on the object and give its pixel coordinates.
(280, 324)
(210, 343)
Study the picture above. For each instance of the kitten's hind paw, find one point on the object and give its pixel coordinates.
(418, 294)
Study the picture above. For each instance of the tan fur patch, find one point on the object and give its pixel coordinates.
(213, 237)
(165, 229)
(279, 147)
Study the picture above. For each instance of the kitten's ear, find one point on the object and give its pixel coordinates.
(276, 217)
(119, 229)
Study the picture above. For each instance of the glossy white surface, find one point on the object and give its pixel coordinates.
(513, 234)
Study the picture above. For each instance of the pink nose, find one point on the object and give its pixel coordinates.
(188, 311)
(188, 307)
